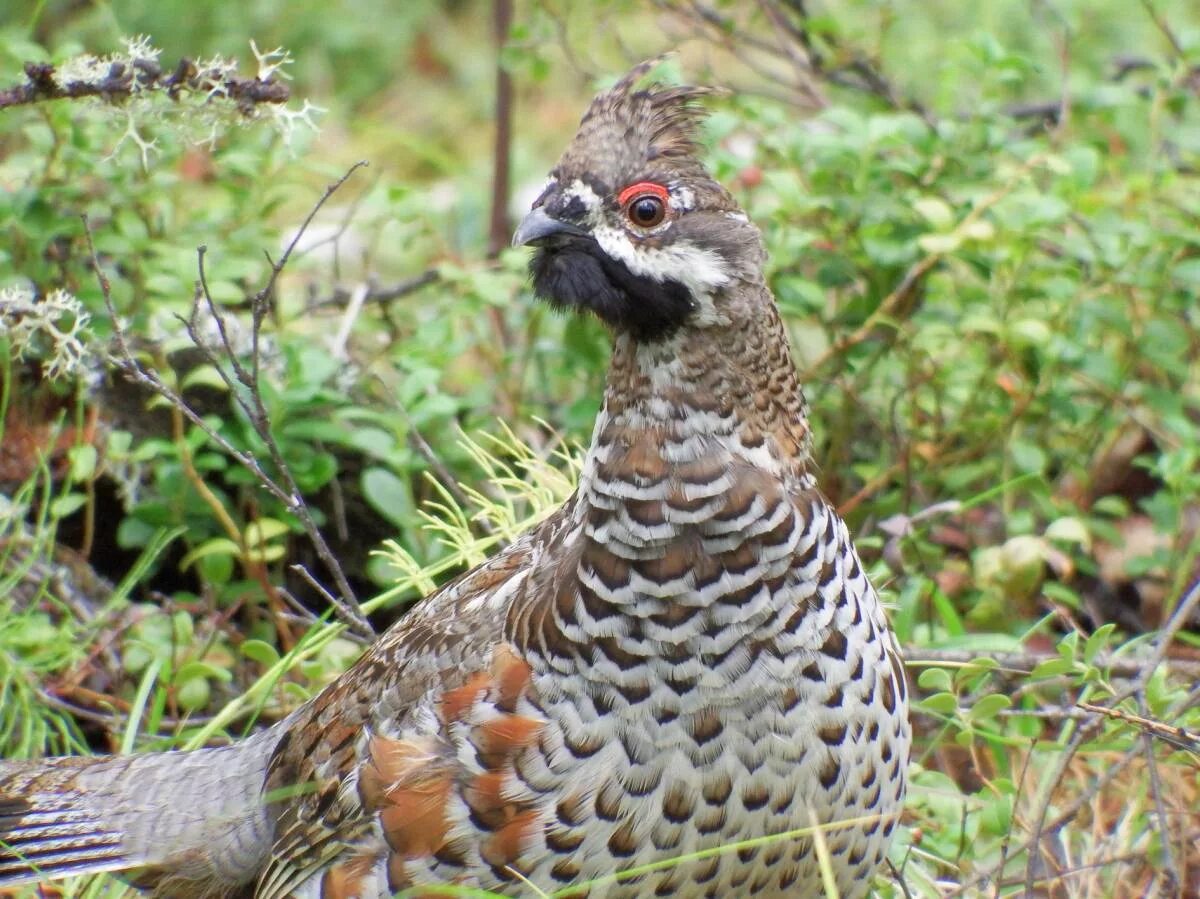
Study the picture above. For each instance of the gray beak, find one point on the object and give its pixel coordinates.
(537, 225)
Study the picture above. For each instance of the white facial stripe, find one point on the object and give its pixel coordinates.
(589, 198)
(700, 271)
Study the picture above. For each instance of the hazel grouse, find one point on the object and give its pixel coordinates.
(686, 656)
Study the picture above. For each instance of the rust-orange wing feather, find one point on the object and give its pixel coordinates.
(370, 770)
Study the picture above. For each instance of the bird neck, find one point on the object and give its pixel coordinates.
(686, 502)
(727, 389)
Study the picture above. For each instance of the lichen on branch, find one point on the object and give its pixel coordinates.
(52, 329)
(204, 94)
(119, 76)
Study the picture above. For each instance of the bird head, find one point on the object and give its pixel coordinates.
(631, 226)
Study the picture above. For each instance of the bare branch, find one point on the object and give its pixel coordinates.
(380, 295)
(1168, 733)
(1165, 29)
(1021, 664)
(249, 399)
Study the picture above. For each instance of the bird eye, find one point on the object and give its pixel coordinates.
(644, 203)
(646, 211)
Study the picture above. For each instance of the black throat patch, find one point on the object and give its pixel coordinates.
(574, 273)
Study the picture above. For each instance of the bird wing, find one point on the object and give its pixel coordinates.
(364, 770)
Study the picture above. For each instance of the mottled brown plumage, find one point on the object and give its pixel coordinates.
(685, 656)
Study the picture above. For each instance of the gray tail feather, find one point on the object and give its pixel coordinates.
(48, 831)
(190, 816)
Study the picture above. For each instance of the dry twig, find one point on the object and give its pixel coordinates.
(244, 387)
(1022, 663)
(377, 294)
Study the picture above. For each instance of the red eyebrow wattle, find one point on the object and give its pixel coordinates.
(643, 187)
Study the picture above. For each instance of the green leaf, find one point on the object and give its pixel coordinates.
(226, 292)
(996, 815)
(272, 552)
(374, 442)
(1188, 272)
(947, 614)
(981, 230)
(1031, 331)
(215, 546)
(944, 703)
(135, 657)
(1097, 641)
(260, 651)
(67, 504)
(204, 376)
(1052, 668)
(934, 679)
(1027, 456)
(215, 569)
(940, 244)
(83, 461)
(261, 530)
(388, 495)
(183, 629)
(1068, 646)
(936, 211)
(988, 706)
(1069, 529)
(201, 669)
(194, 694)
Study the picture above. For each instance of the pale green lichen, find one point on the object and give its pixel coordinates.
(198, 102)
(52, 329)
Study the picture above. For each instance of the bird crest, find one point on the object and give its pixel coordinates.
(638, 121)
(666, 117)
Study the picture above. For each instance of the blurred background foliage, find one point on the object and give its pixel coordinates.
(984, 227)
